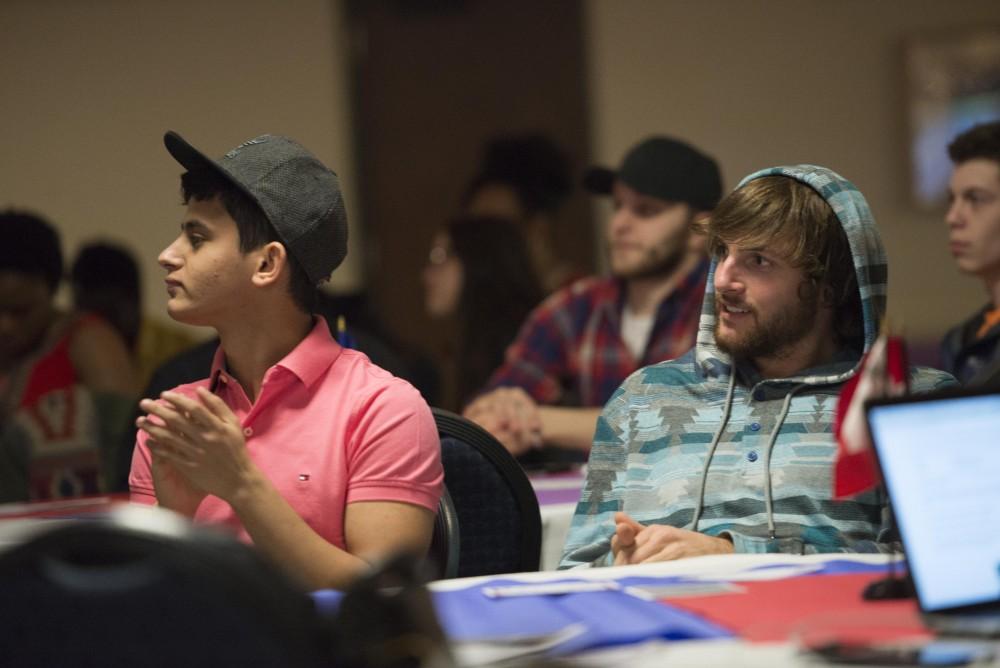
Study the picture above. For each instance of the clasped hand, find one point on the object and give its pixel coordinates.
(634, 543)
(511, 415)
(197, 445)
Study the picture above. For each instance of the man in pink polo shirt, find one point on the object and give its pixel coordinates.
(320, 458)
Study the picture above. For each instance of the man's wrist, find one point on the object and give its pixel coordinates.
(251, 485)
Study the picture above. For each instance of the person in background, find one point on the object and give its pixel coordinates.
(577, 347)
(323, 460)
(66, 379)
(479, 274)
(527, 179)
(731, 448)
(105, 281)
(971, 350)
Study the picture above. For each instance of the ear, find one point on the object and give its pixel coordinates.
(272, 258)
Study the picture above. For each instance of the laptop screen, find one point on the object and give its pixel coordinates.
(940, 459)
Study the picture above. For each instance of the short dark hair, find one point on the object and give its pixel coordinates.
(782, 212)
(31, 247)
(252, 223)
(106, 281)
(535, 169)
(980, 141)
(103, 265)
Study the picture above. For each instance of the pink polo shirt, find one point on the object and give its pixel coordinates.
(329, 428)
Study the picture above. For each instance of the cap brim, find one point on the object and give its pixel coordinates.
(599, 180)
(189, 157)
(193, 160)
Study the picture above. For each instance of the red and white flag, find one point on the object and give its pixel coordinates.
(883, 373)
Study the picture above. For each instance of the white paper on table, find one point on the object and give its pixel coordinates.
(488, 651)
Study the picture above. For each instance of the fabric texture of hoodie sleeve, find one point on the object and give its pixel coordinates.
(589, 540)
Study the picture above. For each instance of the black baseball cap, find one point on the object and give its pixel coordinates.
(299, 195)
(664, 168)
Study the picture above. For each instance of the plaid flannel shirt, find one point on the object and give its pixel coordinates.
(570, 351)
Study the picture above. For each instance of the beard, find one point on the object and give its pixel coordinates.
(659, 260)
(771, 336)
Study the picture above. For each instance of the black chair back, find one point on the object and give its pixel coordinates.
(490, 511)
(103, 593)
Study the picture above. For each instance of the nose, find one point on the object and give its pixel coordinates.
(169, 258)
(953, 217)
(620, 221)
(727, 277)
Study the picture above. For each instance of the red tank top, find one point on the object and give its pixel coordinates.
(59, 416)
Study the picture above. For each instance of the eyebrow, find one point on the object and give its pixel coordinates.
(189, 226)
(770, 253)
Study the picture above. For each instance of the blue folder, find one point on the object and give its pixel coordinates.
(609, 617)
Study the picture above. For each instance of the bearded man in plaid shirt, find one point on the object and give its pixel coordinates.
(578, 346)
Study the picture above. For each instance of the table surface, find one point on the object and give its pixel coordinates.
(759, 578)
(783, 591)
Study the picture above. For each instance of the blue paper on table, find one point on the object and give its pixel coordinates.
(610, 617)
(842, 566)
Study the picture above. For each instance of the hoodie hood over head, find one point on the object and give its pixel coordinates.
(870, 266)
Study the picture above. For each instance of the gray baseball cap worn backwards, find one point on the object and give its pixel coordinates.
(299, 195)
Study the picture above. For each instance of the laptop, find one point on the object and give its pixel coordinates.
(939, 454)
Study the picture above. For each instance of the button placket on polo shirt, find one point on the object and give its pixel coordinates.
(276, 381)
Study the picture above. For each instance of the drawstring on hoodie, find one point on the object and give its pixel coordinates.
(711, 450)
(772, 439)
(768, 501)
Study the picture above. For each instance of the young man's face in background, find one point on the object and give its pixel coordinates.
(973, 218)
(647, 237)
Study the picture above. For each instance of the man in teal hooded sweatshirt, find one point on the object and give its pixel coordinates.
(730, 448)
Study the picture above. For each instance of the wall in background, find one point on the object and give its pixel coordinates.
(784, 81)
(474, 70)
(88, 89)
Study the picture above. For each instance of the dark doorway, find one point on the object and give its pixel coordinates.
(434, 81)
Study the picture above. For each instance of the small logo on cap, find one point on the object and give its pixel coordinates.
(250, 142)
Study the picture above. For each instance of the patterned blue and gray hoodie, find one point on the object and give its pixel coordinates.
(698, 444)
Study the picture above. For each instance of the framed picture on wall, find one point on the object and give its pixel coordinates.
(953, 83)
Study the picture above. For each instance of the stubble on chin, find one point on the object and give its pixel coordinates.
(727, 344)
(772, 337)
(731, 343)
